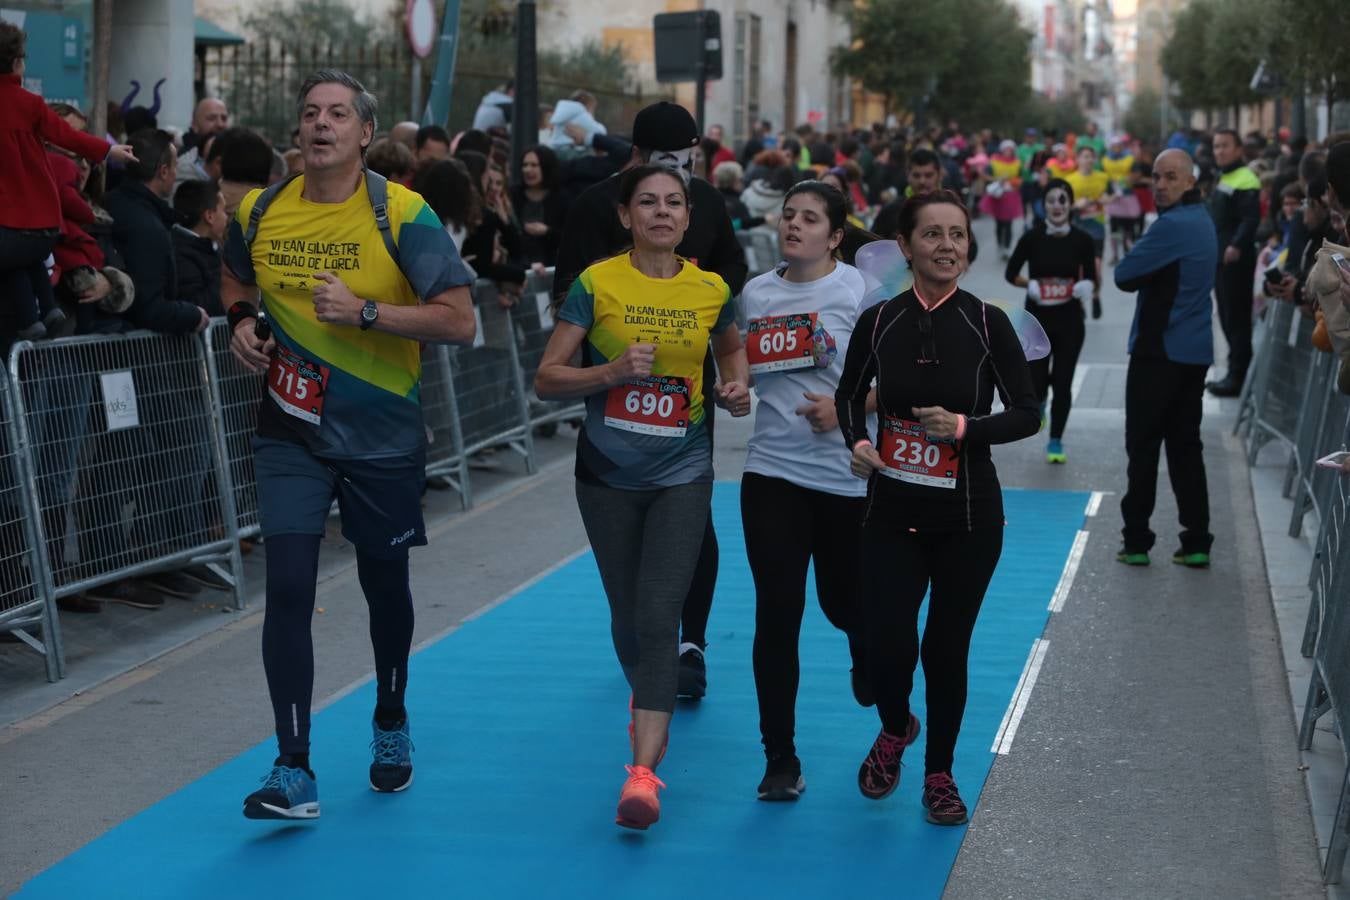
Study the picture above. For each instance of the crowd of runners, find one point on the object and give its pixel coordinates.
(870, 462)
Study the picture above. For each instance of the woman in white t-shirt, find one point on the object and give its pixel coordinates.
(799, 503)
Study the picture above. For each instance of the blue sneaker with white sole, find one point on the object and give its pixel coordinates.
(391, 770)
(287, 793)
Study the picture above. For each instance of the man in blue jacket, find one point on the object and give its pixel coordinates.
(1171, 348)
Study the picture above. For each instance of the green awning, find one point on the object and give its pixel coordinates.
(209, 34)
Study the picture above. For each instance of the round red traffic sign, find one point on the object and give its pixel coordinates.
(421, 22)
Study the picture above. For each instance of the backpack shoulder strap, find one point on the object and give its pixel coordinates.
(377, 188)
(260, 206)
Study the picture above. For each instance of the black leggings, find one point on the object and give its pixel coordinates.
(1003, 231)
(698, 602)
(788, 527)
(288, 647)
(1065, 327)
(898, 566)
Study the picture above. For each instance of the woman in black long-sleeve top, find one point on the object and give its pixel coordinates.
(935, 507)
(1063, 272)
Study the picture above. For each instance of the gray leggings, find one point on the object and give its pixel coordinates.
(646, 545)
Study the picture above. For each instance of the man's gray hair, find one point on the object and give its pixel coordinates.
(363, 101)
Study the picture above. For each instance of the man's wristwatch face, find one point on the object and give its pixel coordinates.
(369, 313)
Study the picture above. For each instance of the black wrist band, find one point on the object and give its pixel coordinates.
(240, 311)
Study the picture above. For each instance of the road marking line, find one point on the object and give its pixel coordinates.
(1079, 376)
(1094, 503)
(1007, 729)
(1070, 570)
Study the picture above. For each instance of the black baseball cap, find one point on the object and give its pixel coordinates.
(664, 126)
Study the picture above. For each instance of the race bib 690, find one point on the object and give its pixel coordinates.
(656, 405)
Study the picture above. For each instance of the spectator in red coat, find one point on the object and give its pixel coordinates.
(30, 207)
(721, 152)
(97, 292)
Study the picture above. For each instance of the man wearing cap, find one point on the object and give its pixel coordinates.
(664, 134)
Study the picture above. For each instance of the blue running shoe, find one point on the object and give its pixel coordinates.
(287, 793)
(1054, 451)
(391, 771)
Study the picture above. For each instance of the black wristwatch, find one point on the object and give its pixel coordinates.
(369, 313)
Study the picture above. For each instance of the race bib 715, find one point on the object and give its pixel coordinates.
(297, 385)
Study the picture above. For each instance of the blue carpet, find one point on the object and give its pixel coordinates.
(519, 720)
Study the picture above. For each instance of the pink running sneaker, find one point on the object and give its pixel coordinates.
(639, 805)
(942, 801)
(880, 771)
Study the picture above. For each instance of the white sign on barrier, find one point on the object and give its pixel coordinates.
(1293, 328)
(478, 339)
(119, 400)
(543, 301)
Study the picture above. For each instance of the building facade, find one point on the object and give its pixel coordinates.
(775, 55)
(1073, 54)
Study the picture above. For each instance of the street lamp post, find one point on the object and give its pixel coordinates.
(525, 106)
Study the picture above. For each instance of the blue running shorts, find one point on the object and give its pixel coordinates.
(380, 499)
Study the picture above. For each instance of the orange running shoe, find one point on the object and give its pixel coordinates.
(639, 805)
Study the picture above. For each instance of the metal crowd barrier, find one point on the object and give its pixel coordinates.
(440, 415)
(122, 467)
(1291, 396)
(235, 393)
(761, 249)
(534, 325)
(1277, 392)
(24, 606)
(489, 387)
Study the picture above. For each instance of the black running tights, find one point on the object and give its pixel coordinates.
(899, 566)
(787, 527)
(1065, 327)
(287, 646)
(698, 602)
(1003, 231)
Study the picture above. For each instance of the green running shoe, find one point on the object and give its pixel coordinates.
(1129, 558)
(1054, 452)
(1191, 560)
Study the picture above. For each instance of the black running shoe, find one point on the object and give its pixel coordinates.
(862, 686)
(287, 793)
(1096, 307)
(391, 750)
(880, 772)
(693, 683)
(782, 778)
(940, 798)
